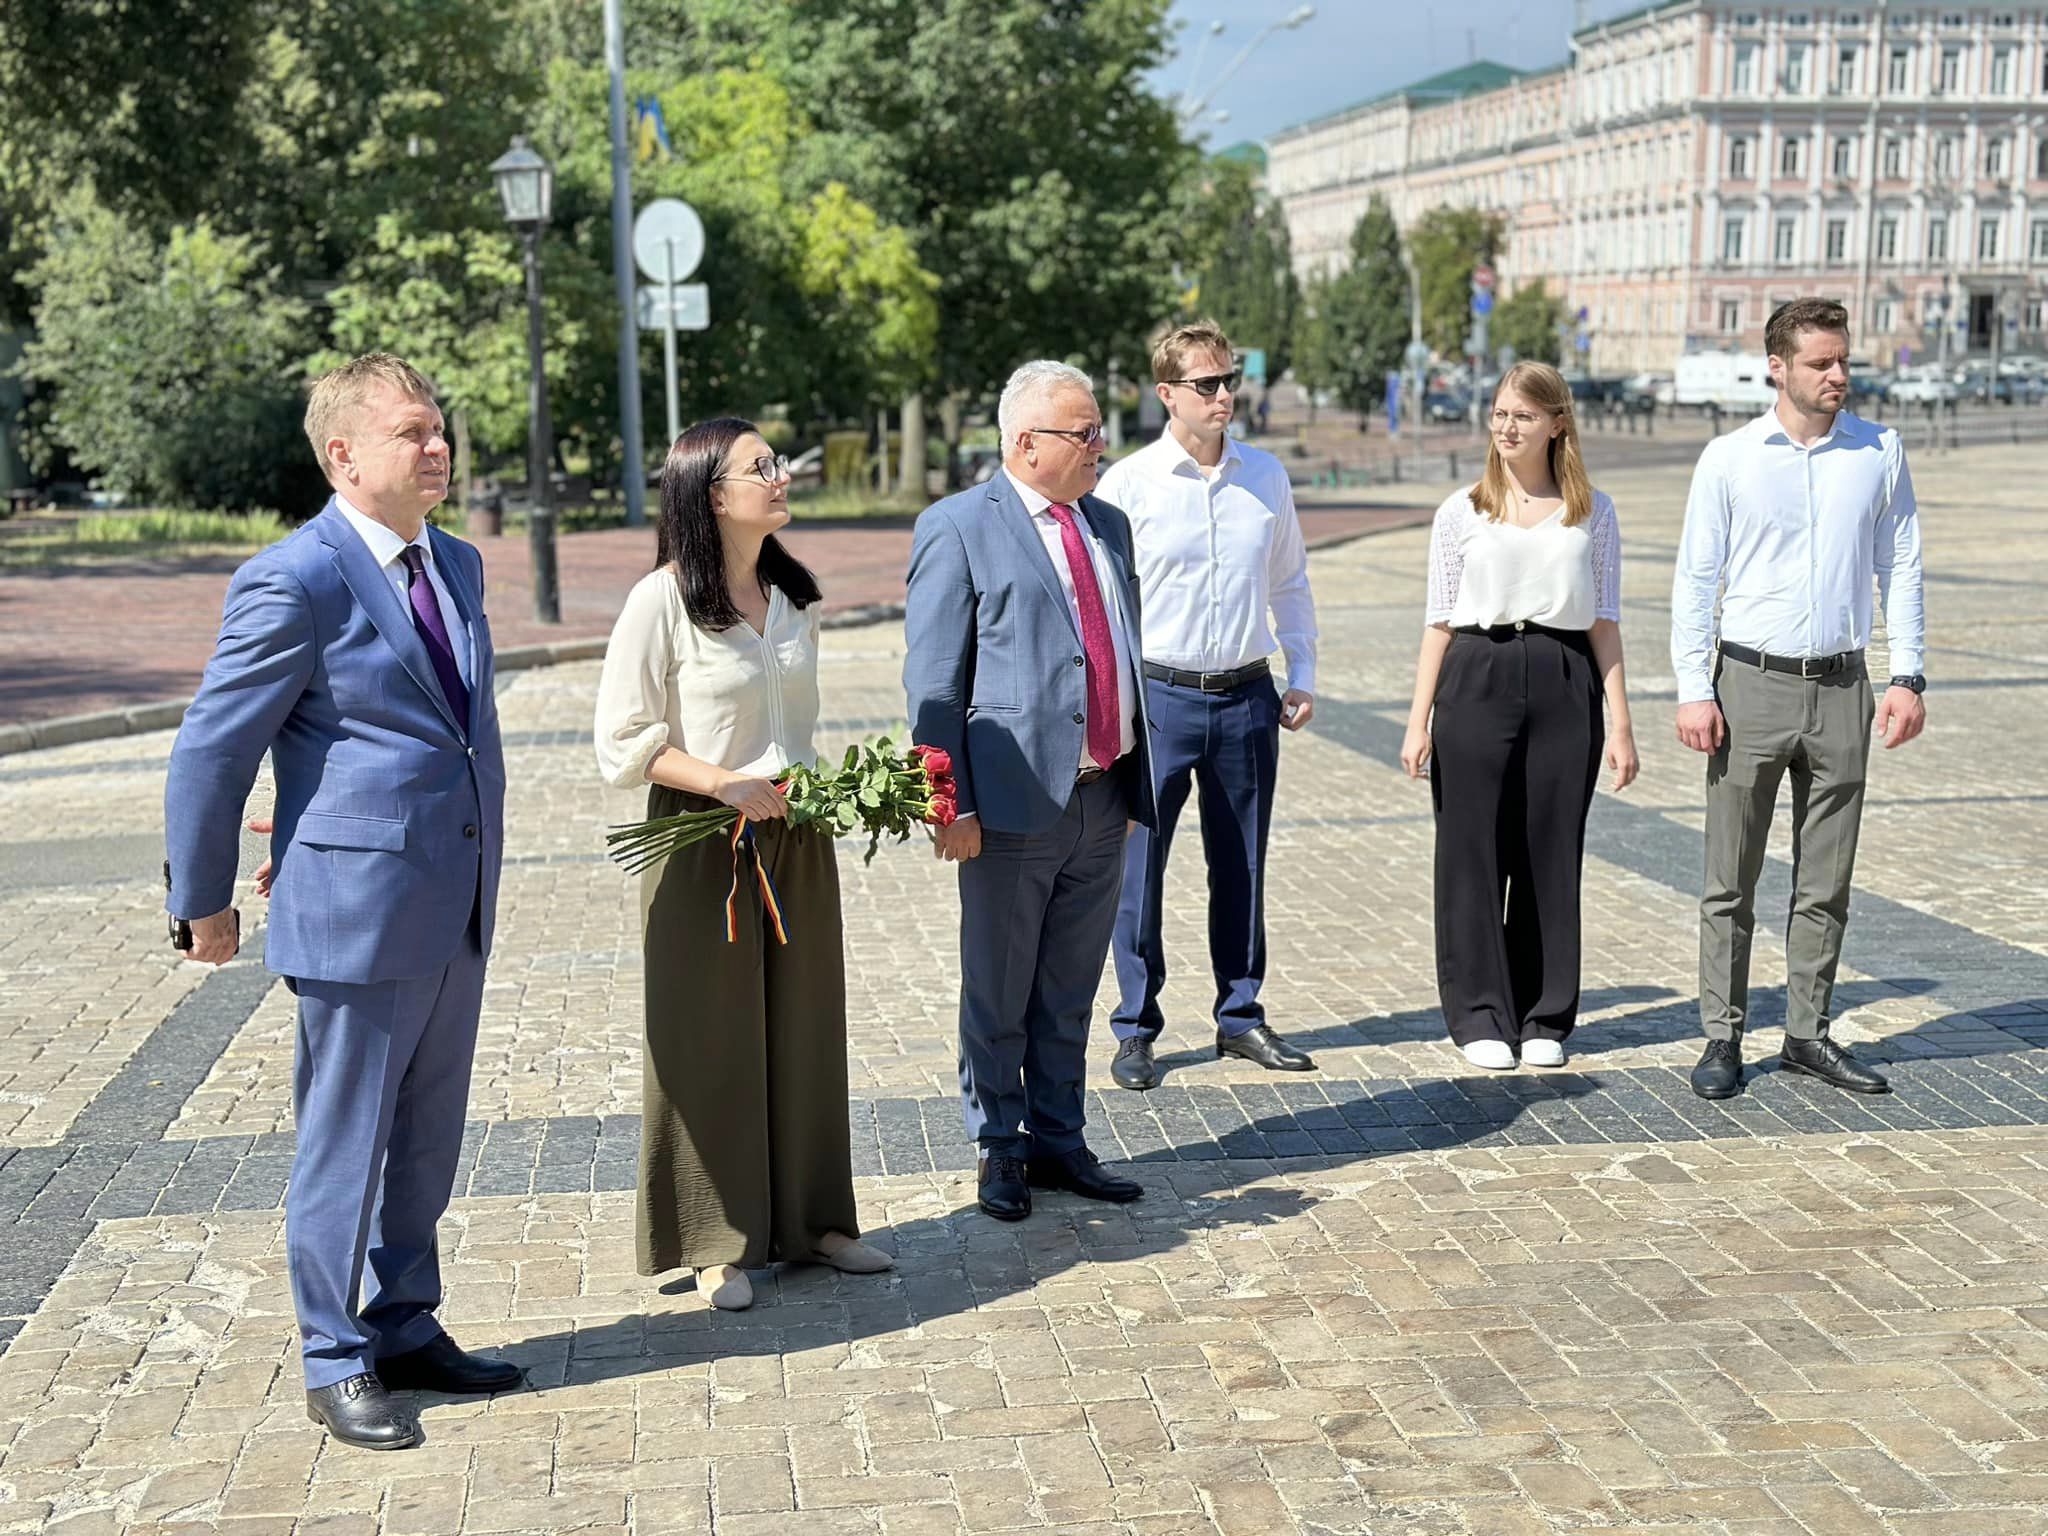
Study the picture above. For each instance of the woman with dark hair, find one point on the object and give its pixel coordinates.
(1522, 646)
(710, 690)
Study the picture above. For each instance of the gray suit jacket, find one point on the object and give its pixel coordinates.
(991, 673)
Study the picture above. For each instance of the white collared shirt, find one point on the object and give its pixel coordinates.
(388, 550)
(1217, 551)
(1790, 538)
(1485, 572)
(1111, 587)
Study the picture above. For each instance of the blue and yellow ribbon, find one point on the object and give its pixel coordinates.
(771, 904)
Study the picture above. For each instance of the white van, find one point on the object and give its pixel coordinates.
(1735, 381)
(1925, 384)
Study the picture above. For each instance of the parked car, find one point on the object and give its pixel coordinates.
(1734, 381)
(1926, 384)
(1983, 388)
(1446, 405)
(1650, 389)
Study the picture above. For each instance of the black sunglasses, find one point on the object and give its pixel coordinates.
(1207, 386)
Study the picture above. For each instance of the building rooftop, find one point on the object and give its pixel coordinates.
(1466, 80)
(1250, 151)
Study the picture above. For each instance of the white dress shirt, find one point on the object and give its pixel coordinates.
(1216, 553)
(388, 550)
(740, 700)
(1486, 572)
(1790, 537)
(1110, 585)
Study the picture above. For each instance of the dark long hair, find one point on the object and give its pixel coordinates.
(688, 533)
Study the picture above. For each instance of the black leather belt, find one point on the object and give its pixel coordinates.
(1208, 682)
(1795, 666)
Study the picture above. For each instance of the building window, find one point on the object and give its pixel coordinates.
(1987, 238)
(1781, 240)
(1744, 80)
(1888, 238)
(1899, 73)
(1904, 21)
(1731, 316)
(1884, 316)
(1894, 159)
(2037, 245)
(2037, 311)
(1747, 19)
(1790, 153)
(2041, 160)
(1994, 159)
(1845, 158)
(1951, 76)
(1731, 239)
(2001, 71)
(1848, 21)
(1738, 159)
(1945, 155)
(1954, 20)
(1937, 239)
(1845, 71)
(1795, 69)
(1799, 21)
(1838, 241)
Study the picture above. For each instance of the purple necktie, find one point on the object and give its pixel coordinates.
(426, 618)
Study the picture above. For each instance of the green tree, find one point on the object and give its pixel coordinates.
(1447, 243)
(1364, 312)
(1246, 282)
(1528, 321)
(174, 366)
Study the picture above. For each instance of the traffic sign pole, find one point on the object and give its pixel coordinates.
(668, 343)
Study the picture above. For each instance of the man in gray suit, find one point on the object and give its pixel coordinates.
(1022, 624)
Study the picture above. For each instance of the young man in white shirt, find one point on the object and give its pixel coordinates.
(1218, 550)
(1792, 520)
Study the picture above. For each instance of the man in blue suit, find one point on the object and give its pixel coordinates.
(1022, 629)
(356, 653)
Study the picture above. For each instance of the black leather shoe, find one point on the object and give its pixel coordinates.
(444, 1367)
(1081, 1172)
(1830, 1063)
(1719, 1073)
(358, 1411)
(1005, 1193)
(1259, 1044)
(1134, 1066)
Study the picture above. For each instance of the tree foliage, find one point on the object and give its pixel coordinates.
(1246, 281)
(1361, 313)
(1529, 320)
(1446, 244)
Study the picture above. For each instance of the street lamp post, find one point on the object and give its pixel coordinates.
(1191, 106)
(526, 185)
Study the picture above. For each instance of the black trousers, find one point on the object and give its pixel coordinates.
(1516, 755)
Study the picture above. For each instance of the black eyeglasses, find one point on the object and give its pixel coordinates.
(1087, 437)
(769, 469)
(1208, 384)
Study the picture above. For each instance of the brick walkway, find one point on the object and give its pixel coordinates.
(83, 638)
(1391, 1298)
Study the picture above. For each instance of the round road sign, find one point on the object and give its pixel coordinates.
(668, 240)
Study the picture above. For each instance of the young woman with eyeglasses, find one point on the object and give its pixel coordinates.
(710, 689)
(1521, 647)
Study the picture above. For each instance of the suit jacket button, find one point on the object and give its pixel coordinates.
(469, 831)
(472, 754)
(1080, 719)
(1080, 661)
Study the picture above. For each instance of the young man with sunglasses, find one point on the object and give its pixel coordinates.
(1220, 558)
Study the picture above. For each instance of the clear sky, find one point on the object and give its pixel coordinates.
(1354, 49)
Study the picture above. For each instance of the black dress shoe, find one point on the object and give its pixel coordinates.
(1827, 1061)
(1005, 1193)
(1081, 1172)
(358, 1411)
(1261, 1045)
(444, 1367)
(1719, 1073)
(1134, 1066)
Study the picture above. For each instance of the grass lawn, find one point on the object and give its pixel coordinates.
(60, 538)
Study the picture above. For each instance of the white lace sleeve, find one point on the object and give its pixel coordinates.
(1606, 536)
(1446, 559)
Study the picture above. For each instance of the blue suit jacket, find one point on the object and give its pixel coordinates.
(390, 811)
(992, 644)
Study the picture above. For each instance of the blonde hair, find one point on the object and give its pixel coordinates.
(1544, 387)
(337, 396)
(1170, 353)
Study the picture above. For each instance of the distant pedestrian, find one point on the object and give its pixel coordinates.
(1521, 650)
(1222, 568)
(710, 689)
(1792, 520)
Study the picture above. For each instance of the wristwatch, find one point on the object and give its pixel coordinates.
(1912, 680)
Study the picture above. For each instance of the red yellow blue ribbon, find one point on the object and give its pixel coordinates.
(771, 904)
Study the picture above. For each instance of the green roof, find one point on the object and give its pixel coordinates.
(1247, 150)
(1466, 80)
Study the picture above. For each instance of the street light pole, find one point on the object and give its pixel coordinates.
(633, 471)
(1190, 110)
(526, 185)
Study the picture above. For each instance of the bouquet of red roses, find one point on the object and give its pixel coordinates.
(876, 789)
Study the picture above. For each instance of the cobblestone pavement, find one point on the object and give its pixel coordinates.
(1393, 1296)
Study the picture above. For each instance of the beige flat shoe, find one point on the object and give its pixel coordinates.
(726, 1286)
(851, 1256)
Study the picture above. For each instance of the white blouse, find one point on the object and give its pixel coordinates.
(1485, 572)
(744, 701)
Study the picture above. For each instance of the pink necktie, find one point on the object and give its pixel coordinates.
(1104, 733)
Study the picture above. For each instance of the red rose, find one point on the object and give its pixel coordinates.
(937, 763)
(945, 810)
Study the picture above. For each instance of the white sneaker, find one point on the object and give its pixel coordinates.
(1542, 1053)
(1493, 1055)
